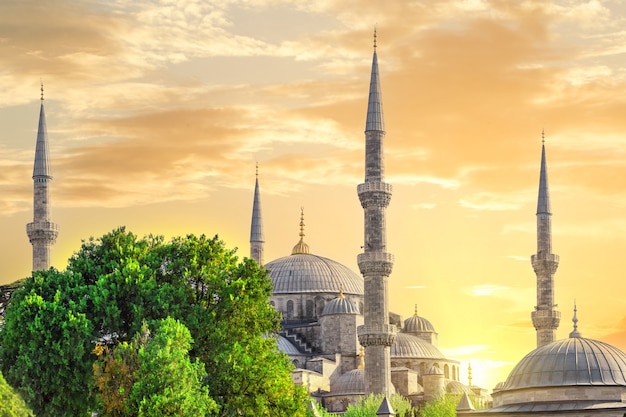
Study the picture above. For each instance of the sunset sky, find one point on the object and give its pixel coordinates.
(157, 112)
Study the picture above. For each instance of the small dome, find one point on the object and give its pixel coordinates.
(434, 370)
(573, 361)
(409, 346)
(352, 382)
(417, 324)
(340, 305)
(457, 388)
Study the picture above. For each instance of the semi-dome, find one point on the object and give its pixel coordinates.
(417, 324)
(285, 346)
(572, 361)
(352, 382)
(409, 346)
(340, 305)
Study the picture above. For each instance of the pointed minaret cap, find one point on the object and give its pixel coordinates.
(374, 119)
(575, 332)
(543, 202)
(385, 409)
(256, 228)
(41, 168)
(301, 247)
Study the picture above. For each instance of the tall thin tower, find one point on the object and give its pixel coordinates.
(545, 318)
(376, 335)
(256, 229)
(42, 233)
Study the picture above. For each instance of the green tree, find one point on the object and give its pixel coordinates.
(115, 283)
(168, 383)
(444, 406)
(11, 404)
(46, 344)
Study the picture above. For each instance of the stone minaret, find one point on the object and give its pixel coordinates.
(545, 317)
(376, 335)
(256, 228)
(42, 233)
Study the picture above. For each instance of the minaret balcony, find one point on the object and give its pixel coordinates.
(540, 257)
(31, 227)
(370, 335)
(546, 319)
(375, 263)
(379, 186)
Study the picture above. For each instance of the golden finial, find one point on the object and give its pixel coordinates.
(415, 310)
(341, 291)
(257, 169)
(301, 247)
(374, 36)
(543, 136)
(469, 374)
(41, 89)
(361, 358)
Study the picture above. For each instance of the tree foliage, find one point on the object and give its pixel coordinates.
(152, 376)
(444, 406)
(11, 404)
(114, 284)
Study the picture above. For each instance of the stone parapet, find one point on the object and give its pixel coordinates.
(375, 263)
(545, 263)
(42, 231)
(370, 335)
(378, 186)
(546, 319)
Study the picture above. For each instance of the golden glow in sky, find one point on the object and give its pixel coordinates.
(157, 112)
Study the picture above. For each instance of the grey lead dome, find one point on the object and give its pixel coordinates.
(308, 273)
(573, 361)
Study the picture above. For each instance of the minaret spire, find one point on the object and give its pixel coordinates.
(257, 240)
(42, 233)
(376, 335)
(545, 318)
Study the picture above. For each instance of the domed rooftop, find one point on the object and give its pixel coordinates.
(417, 324)
(303, 272)
(409, 346)
(352, 382)
(457, 388)
(340, 305)
(285, 346)
(572, 361)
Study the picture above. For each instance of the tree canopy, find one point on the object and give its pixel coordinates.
(115, 284)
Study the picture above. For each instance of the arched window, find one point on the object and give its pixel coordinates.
(310, 306)
(446, 371)
(289, 309)
(320, 305)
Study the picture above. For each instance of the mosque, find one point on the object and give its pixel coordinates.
(344, 341)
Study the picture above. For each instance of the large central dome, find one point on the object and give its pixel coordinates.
(572, 361)
(308, 273)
